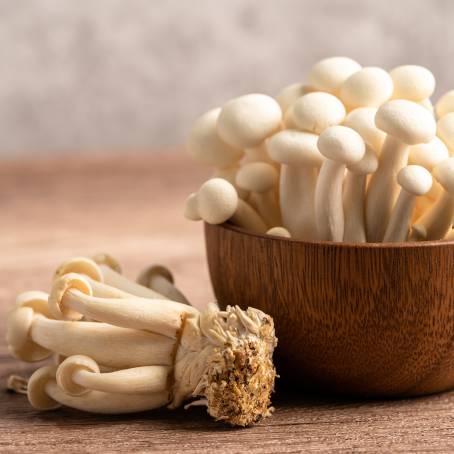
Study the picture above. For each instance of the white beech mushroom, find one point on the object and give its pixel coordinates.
(218, 202)
(246, 121)
(229, 174)
(104, 280)
(191, 209)
(279, 231)
(289, 94)
(414, 181)
(449, 236)
(256, 154)
(261, 180)
(412, 82)
(369, 87)
(405, 124)
(445, 130)
(445, 104)
(341, 147)
(317, 111)
(354, 194)
(362, 120)
(300, 159)
(160, 279)
(223, 358)
(436, 222)
(330, 73)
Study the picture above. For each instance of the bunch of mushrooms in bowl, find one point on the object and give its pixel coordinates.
(331, 209)
(355, 155)
(121, 346)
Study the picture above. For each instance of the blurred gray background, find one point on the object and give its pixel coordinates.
(134, 74)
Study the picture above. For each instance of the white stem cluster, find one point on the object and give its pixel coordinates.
(121, 351)
(327, 188)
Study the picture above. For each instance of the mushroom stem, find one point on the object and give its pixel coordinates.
(354, 206)
(109, 345)
(79, 374)
(329, 212)
(383, 189)
(160, 279)
(70, 298)
(437, 221)
(107, 403)
(245, 216)
(297, 188)
(399, 222)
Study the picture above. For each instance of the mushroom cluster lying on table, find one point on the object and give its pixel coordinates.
(354, 155)
(121, 346)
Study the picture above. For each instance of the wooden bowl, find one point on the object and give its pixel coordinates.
(369, 320)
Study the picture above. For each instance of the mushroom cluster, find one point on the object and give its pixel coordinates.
(356, 154)
(121, 346)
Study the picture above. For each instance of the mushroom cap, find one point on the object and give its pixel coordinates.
(341, 144)
(257, 177)
(427, 104)
(154, 270)
(368, 164)
(445, 104)
(317, 111)
(69, 367)
(289, 94)
(362, 120)
(80, 265)
(279, 231)
(415, 179)
(246, 121)
(70, 281)
(217, 200)
(406, 121)
(35, 299)
(444, 174)
(330, 73)
(289, 119)
(445, 129)
(106, 259)
(295, 147)
(20, 344)
(204, 144)
(369, 87)
(412, 82)
(191, 210)
(36, 389)
(428, 154)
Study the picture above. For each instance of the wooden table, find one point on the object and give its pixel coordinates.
(131, 207)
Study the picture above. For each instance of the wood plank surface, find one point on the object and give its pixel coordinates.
(130, 206)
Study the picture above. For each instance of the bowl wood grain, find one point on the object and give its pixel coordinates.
(368, 320)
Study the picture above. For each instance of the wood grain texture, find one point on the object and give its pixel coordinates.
(363, 320)
(131, 206)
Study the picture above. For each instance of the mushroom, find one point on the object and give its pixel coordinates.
(300, 158)
(44, 394)
(354, 194)
(71, 298)
(191, 209)
(445, 130)
(256, 154)
(369, 87)
(449, 236)
(289, 94)
(436, 222)
(279, 231)
(412, 82)
(160, 279)
(218, 202)
(330, 73)
(246, 121)
(229, 174)
(341, 147)
(261, 179)
(362, 120)
(445, 104)
(415, 181)
(80, 374)
(317, 111)
(205, 146)
(405, 124)
(105, 281)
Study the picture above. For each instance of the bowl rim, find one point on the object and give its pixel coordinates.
(400, 245)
